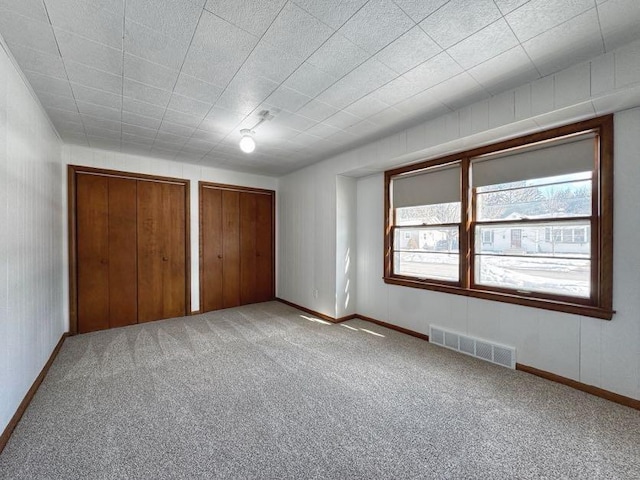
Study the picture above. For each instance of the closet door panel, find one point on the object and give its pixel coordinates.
(264, 248)
(123, 271)
(174, 251)
(150, 228)
(212, 250)
(248, 248)
(230, 248)
(92, 222)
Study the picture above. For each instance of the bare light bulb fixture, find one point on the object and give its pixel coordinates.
(247, 142)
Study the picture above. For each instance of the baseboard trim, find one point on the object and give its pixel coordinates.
(598, 392)
(390, 326)
(195, 312)
(317, 314)
(13, 423)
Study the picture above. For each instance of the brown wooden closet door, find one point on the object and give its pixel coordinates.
(264, 290)
(211, 231)
(230, 248)
(161, 251)
(123, 275)
(247, 248)
(92, 221)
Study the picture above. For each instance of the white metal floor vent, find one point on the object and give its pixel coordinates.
(491, 352)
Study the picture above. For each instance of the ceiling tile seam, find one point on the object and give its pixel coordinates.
(236, 73)
(428, 15)
(518, 38)
(186, 53)
(555, 26)
(124, 17)
(604, 45)
(55, 38)
(326, 24)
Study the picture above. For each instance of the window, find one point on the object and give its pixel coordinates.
(527, 221)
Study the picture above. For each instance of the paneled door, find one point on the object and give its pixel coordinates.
(236, 246)
(161, 251)
(106, 252)
(129, 248)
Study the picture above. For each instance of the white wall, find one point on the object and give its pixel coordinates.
(605, 354)
(346, 246)
(31, 217)
(84, 156)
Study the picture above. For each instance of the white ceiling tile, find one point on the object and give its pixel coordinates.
(143, 71)
(29, 8)
(188, 105)
(92, 19)
(287, 99)
(91, 121)
(174, 18)
(458, 19)
(148, 133)
(79, 49)
(293, 121)
(97, 97)
(99, 111)
(317, 110)
(238, 103)
(146, 93)
(458, 91)
(322, 130)
(103, 143)
(66, 116)
(20, 30)
(140, 120)
(128, 138)
(332, 12)
(309, 80)
(141, 108)
(396, 90)
(74, 138)
(182, 118)
(270, 62)
(418, 10)
(252, 16)
(56, 101)
(338, 56)
(170, 141)
(619, 21)
(221, 120)
(366, 106)
(483, 45)
(103, 133)
(39, 62)
(297, 32)
(198, 89)
(218, 50)
(579, 36)
(44, 83)
(144, 42)
(538, 16)
(84, 75)
(342, 120)
(341, 94)
(376, 25)
(251, 86)
(507, 6)
(207, 135)
(434, 71)
(363, 128)
(176, 129)
(507, 70)
(408, 51)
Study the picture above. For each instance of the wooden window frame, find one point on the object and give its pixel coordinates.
(599, 305)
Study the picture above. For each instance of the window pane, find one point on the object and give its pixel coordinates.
(433, 239)
(429, 214)
(557, 239)
(436, 266)
(571, 277)
(558, 200)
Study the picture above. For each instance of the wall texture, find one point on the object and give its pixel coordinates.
(31, 218)
(589, 350)
(76, 155)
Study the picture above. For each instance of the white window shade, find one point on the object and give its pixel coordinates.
(563, 157)
(428, 187)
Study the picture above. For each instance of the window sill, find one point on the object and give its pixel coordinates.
(565, 307)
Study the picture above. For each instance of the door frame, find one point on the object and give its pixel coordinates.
(72, 172)
(236, 188)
